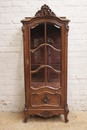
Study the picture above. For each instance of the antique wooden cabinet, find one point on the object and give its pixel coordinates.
(45, 64)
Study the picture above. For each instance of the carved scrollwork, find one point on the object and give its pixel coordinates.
(45, 11)
(67, 29)
(46, 113)
(23, 30)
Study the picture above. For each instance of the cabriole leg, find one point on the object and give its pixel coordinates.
(26, 114)
(66, 114)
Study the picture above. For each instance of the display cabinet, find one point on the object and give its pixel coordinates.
(45, 64)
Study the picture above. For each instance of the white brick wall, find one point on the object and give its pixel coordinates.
(11, 50)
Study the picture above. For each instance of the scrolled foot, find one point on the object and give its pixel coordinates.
(66, 114)
(66, 118)
(25, 120)
(26, 114)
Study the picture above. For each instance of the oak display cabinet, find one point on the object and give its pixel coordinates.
(45, 64)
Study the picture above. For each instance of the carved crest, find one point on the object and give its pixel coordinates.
(45, 11)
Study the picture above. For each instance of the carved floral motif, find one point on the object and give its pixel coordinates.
(45, 99)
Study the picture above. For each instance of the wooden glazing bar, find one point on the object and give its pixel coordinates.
(47, 66)
(43, 44)
(45, 58)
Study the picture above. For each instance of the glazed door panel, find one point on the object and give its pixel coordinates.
(37, 56)
(53, 47)
(46, 63)
(45, 55)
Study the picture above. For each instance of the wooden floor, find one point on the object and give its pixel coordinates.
(14, 121)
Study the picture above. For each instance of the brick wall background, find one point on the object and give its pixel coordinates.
(11, 50)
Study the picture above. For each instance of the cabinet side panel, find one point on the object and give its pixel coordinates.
(66, 59)
(26, 73)
(63, 66)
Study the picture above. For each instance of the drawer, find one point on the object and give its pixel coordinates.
(45, 99)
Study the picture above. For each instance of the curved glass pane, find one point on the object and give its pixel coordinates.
(37, 35)
(53, 78)
(45, 57)
(38, 78)
(53, 55)
(54, 35)
(38, 58)
(37, 55)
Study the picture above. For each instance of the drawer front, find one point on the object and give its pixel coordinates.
(45, 99)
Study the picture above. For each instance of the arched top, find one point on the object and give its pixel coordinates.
(43, 14)
(37, 21)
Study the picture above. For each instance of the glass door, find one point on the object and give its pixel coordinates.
(45, 55)
(37, 56)
(53, 46)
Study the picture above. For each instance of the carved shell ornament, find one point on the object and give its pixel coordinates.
(45, 11)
